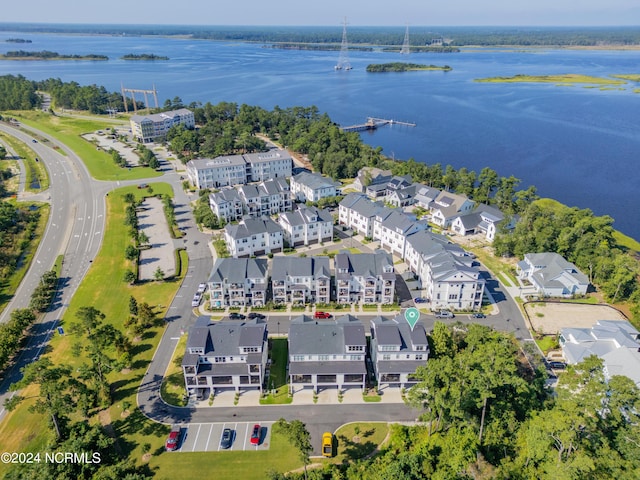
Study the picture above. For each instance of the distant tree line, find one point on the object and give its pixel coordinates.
(48, 55)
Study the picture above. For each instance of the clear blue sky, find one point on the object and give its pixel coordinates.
(326, 12)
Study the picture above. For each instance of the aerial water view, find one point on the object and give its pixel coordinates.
(331, 241)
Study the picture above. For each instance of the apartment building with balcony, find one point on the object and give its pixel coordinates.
(300, 280)
(450, 275)
(367, 278)
(392, 229)
(311, 187)
(154, 127)
(397, 351)
(358, 212)
(306, 225)
(266, 198)
(253, 236)
(327, 353)
(238, 282)
(225, 355)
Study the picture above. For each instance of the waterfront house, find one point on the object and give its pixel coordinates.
(483, 219)
(447, 206)
(225, 355)
(552, 275)
(327, 353)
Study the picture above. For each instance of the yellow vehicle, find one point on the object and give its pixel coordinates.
(327, 444)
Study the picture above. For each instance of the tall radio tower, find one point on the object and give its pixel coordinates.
(405, 45)
(343, 59)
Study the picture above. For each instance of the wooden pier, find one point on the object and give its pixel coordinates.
(372, 123)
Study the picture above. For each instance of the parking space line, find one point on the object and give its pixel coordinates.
(235, 430)
(220, 440)
(246, 432)
(206, 448)
(195, 441)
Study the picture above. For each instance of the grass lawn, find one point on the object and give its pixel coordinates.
(104, 289)
(172, 389)
(353, 446)
(547, 342)
(9, 286)
(33, 170)
(231, 465)
(68, 131)
(278, 374)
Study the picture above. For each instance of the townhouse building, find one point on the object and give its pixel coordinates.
(366, 278)
(306, 225)
(300, 280)
(238, 282)
(327, 353)
(227, 204)
(154, 127)
(266, 198)
(311, 187)
(239, 169)
(253, 236)
(358, 212)
(448, 273)
(393, 227)
(397, 350)
(225, 355)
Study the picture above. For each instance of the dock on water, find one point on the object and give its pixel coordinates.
(372, 123)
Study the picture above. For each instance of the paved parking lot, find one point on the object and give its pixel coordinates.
(205, 437)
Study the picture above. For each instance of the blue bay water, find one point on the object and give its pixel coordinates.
(578, 145)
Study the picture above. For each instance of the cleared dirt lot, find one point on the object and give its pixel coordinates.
(550, 318)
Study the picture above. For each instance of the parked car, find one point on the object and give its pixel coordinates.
(173, 439)
(143, 185)
(257, 315)
(236, 316)
(444, 314)
(255, 435)
(34, 140)
(478, 315)
(420, 300)
(321, 315)
(557, 365)
(327, 444)
(202, 288)
(196, 300)
(227, 438)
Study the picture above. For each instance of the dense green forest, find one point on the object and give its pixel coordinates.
(143, 56)
(486, 413)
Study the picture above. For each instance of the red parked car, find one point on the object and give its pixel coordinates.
(321, 315)
(255, 435)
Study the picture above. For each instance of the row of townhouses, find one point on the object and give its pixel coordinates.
(449, 274)
(239, 169)
(311, 187)
(266, 198)
(151, 128)
(262, 235)
(367, 278)
(322, 354)
(447, 210)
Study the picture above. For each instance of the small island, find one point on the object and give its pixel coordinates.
(404, 67)
(17, 40)
(143, 56)
(563, 79)
(47, 55)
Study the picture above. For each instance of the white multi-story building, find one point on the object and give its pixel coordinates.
(225, 355)
(447, 206)
(306, 225)
(300, 279)
(366, 278)
(267, 198)
(446, 271)
(552, 275)
(357, 212)
(253, 236)
(149, 128)
(311, 187)
(239, 169)
(237, 282)
(327, 353)
(392, 230)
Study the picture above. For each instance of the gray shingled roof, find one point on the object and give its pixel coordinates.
(252, 226)
(304, 215)
(324, 337)
(287, 266)
(266, 156)
(225, 338)
(314, 180)
(365, 264)
(554, 266)
(237, 270)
